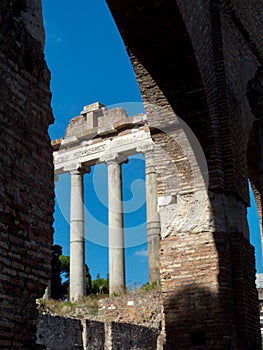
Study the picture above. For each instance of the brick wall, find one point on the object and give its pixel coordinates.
(205, 85)
(26, 172)
(245, 296)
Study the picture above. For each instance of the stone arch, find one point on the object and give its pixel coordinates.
(168, 68)
(198, 80)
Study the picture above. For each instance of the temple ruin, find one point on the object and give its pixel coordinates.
(97, 136)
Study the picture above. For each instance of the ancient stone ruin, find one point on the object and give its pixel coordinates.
(98, 136)
(193, 61)
(131, 321)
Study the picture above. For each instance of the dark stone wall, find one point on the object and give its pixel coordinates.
(133, 337)
(26, 172)
(60, 333)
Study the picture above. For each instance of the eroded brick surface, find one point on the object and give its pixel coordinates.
(195, 58)
(26, 175)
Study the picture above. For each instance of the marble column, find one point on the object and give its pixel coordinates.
(115, 225)
(153, 218)
(77, 247)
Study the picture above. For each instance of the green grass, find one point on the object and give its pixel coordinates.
(151, 286)
(84, 306)
(88, 306)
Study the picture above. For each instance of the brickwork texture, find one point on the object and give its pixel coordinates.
(193, 59)
(26, 172)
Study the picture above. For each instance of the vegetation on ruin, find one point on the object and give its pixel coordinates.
(60, 304)
(86, 306)
(151, 286)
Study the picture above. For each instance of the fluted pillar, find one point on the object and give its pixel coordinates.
(115, 225)
(77, 247)
(153, 218)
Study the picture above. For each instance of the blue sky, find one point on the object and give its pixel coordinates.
(88, 63)
(87, 59)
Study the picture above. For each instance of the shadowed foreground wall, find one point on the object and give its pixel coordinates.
(26, 172)
(130, 321)
(62, 333)
(193, 59)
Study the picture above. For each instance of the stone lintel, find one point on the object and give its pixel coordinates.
(90, 151)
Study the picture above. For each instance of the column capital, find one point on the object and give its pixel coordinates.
(77, 169)
(114, 158)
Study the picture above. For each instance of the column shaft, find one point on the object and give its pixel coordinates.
(153, 219)
(115, 226)
(77, 248)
